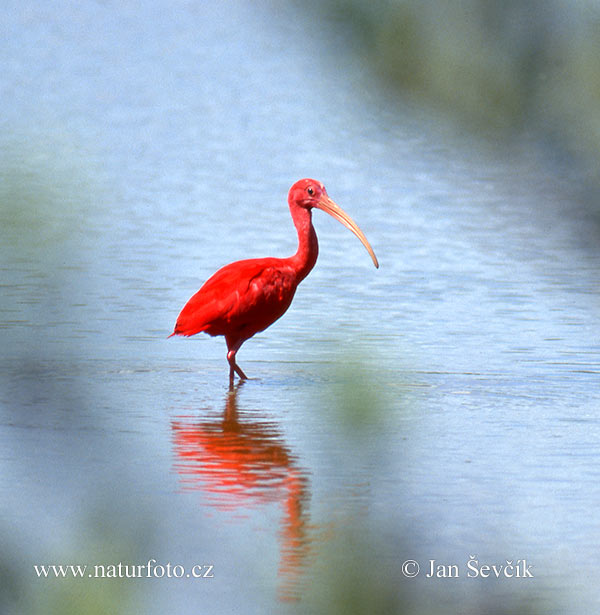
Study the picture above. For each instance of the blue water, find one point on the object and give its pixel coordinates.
(444, 406)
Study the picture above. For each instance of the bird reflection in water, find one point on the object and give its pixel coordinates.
(243, 464)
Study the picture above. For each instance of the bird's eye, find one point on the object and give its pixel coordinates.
(310, 190)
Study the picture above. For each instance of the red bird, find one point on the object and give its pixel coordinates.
(247, 296)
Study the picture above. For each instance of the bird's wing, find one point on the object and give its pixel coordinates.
(251, 292)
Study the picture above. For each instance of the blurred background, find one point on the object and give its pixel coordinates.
(442, 408)
(502, 70)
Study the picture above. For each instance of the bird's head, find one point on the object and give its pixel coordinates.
(306, 193)
(309, 193)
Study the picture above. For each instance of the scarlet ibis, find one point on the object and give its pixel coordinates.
(247, 296)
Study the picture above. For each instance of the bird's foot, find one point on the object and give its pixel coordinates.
(234, 368)
(239, 372)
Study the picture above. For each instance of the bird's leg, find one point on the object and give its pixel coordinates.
(233, 345)
(231, 377)
(233, 366)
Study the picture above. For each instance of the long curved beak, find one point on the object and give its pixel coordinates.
(334, 210)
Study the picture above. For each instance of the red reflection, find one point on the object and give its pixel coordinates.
(243, 464)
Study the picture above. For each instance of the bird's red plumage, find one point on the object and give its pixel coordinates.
(240, 299)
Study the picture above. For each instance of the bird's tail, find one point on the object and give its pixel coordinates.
(181, 329)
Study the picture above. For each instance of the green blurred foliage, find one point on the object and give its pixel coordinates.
(369, 393)
(46, 191)
(50, 194)
(104, 538)
(357, 568)
(504, 68)
(359, 406)
(355, 577)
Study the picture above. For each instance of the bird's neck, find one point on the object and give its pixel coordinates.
(308, 246)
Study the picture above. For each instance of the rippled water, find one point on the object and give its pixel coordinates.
(442, 407)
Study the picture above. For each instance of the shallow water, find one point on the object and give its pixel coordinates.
(443, 406)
